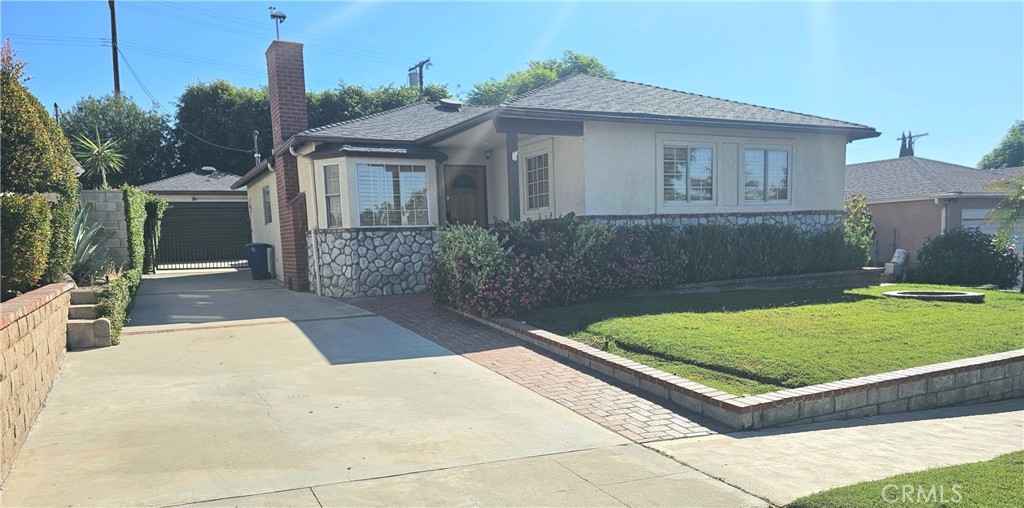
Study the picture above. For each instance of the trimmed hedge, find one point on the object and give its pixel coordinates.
(142, 213)
(36, 157)
(517, 266)
(116, 300)
(25, 236)
(155, 208)
(967, 256)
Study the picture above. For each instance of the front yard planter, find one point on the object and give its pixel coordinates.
(981, 379)
(939, 296)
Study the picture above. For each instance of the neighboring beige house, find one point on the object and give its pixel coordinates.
(363, 197)
(913, 199)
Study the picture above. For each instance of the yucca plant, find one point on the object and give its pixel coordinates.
(92, 257)
(98, 156)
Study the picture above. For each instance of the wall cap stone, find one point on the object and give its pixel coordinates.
(21, 306)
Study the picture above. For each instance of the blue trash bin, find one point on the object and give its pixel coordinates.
(258, 255)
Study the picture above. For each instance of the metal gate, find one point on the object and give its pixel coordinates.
(204, 235)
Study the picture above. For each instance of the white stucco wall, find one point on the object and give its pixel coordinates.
(261, 232)
(622, 170)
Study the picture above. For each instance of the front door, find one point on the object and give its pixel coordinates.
(466, 193)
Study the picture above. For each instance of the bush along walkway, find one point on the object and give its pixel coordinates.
(598, 398)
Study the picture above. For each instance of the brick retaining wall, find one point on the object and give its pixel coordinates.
(33, 339)
(110, 211)
(969, 381)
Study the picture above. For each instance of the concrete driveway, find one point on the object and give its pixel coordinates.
(236, 392)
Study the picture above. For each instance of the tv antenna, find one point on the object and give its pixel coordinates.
(278, 18)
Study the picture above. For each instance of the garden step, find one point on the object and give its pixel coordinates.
(86, 311)
(88, 333)
(84, 296)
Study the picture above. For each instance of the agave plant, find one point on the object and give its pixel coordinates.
(92, 257)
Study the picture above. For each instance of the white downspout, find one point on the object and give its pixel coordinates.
(316, 224)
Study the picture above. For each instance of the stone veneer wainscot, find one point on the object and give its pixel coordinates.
(361, 262)
(807, 221)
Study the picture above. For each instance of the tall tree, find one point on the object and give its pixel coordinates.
(225, 115)
(143, 137)
(537, 74)
(1009, 153)
(214, 123)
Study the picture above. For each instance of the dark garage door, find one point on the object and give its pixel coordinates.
(204, 235)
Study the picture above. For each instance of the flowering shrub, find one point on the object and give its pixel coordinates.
(516, 266)
(967, 256)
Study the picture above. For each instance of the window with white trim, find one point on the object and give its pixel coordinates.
(687, 173)
(766, 174)
(332, 191)
(267, 215)
(392, 194)
(538, 182)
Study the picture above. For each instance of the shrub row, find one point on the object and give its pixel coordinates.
(116, 299)
(967, 256)
(516, 266)
(36, 158)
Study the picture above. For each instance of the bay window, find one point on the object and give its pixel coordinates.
(392, 194)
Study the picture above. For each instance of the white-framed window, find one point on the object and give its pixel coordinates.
(268, 217)
(538, 182)
(332, 193)
(392, 194)
(766, 174)
(688, 173)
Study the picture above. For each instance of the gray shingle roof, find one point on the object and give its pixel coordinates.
(404, 124)
(194, 181)
(591, 94)
(915, 177)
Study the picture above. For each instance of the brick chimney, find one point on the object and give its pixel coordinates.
(286, 81)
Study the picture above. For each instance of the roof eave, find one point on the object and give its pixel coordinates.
(252, 174)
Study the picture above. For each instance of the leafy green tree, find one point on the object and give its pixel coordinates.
(143, 137)
(226, 115)
(98, 157)
(537, 74)
(36, 158)
(1010, 211)
(1009, 153)
(858, 225)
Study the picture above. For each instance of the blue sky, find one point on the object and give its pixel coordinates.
(954, 70)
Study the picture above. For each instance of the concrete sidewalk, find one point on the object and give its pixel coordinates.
(225, 387)
(784, 464)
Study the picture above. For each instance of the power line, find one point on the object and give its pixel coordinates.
(161, 108)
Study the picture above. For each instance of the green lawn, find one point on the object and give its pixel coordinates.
(761, 341)
(992, 484)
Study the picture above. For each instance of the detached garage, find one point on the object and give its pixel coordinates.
(207, 223)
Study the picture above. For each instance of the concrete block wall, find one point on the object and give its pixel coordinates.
(110, 211)
(33, 340)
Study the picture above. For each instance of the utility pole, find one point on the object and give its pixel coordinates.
(907, 143)
(113, 47)
(419, 70)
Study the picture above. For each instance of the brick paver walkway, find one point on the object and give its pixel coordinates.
(597, 397)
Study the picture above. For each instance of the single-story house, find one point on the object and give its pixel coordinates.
(207, 223)
(913, 199)
(359, 201)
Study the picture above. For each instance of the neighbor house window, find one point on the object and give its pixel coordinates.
(332, 191)
(688, 173)
(267, 216)
(538, 182)
(766, 174)
(392, 194)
